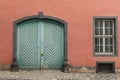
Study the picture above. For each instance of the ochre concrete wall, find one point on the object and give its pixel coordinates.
(79, 15)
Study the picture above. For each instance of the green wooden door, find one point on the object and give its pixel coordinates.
(53, 45)
(27, 45)
(40, 44)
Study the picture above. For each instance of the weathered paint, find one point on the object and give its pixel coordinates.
(79, 15)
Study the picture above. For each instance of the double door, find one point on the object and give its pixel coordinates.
(40, 44)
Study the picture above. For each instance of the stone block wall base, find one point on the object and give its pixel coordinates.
(82, 69)
(4, 67)
(117, 70)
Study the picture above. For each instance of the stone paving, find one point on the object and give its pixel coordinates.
(55, 75)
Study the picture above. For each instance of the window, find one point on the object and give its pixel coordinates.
(105, 67)
(105, 36)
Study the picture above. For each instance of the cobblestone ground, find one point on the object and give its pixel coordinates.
(55, 75)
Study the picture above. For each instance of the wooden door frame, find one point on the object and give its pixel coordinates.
(41, 16)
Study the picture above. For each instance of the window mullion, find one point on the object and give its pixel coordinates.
(99, 37)
(113, 36)
(103, 37)
(109, 35)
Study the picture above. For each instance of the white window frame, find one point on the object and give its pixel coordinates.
(113, 36)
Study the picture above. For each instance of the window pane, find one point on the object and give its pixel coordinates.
(106, 31)
(111, 40)
(96, 40)
(106, 48)
(96, 31)
(101, 41)
(111, 48)
(108, 27)
(98, 27)
(101, 48)
(101, 24)
(106, 41)
(111, 24)
(101, 31)
(96, 23)
(96, 48)
(111, 32)
(108, 24)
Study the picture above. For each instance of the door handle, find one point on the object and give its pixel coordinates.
(41, 53)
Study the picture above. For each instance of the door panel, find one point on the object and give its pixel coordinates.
(53, 45)
(27, 44)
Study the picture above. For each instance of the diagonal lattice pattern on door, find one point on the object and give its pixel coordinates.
(34, 36)
(27, 44)
(53, 45)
